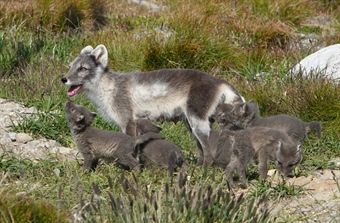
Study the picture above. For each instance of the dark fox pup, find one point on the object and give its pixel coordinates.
(166, 154)
(263, 144)
(95, 144)
(248, 115)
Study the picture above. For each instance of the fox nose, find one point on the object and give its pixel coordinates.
(64, 80)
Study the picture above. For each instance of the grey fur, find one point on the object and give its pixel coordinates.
(167, 94)
(165, 153)
(248, 115)
(263, 144)
(220, 145)
(95, 144)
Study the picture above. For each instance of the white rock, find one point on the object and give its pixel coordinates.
(23, 138)
(325, 62)
(149, 5)
(5, 139)
(12, 136)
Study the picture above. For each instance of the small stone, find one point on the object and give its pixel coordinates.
(57, 172)
(4, 139)
(12, 136)
(334, 164)
(23, 138)
(33, 144)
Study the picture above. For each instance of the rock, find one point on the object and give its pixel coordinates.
(21, 144)
(12, 136)
(149, 5)
(23, 138)
(324, 62)
(334, 164)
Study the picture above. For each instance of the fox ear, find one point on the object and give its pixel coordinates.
(252, 102)
(100, 54)
(243, 108)
(80, 118)
(299, 147)
(93, 114)
(86, 50)
(159, 128)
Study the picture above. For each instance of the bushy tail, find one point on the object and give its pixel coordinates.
(147, 136)
(315, 126)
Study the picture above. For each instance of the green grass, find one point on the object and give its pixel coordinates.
(233, 40)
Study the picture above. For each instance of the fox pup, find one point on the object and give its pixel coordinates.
(166, 154)
(248, 115)
(95, 144)
(264, 144)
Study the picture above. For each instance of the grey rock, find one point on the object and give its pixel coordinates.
(334, 164)
(22, 144)
(23, 138)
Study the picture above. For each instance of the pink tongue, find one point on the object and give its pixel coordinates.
(73, 90)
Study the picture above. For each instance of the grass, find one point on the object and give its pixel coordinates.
(252, 44)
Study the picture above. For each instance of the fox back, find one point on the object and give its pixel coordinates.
(248, 115)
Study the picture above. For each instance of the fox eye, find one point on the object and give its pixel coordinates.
(73, 110)
(81, 69)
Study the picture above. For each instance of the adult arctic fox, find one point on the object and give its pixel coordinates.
(156, 95)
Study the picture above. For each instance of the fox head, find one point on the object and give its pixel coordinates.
(287, 157)
(241, 114)
(86, 69)
(78, 116)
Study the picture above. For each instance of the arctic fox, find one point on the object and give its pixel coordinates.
(165, 94)
(247, 114)
(95, 144)
(165, 153)
(264, 144)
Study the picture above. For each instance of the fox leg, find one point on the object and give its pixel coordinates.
(131, 128)
(201, 131)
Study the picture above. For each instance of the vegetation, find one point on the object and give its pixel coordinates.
(252, 44)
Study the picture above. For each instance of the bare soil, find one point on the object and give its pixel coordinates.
(319, 202)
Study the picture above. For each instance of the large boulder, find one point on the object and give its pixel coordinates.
(324, 63)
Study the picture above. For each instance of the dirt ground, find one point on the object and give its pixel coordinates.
(319, 202)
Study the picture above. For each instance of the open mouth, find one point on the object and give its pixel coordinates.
(73, 90)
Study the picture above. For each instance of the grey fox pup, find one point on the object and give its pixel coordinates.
(165, 153)
(248, 115)
(95, 144)
(264, 144)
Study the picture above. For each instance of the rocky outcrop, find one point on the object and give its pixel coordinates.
(23, 145)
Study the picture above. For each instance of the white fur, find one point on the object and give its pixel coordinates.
(149, 92)
(150, 98)
(101, 94)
